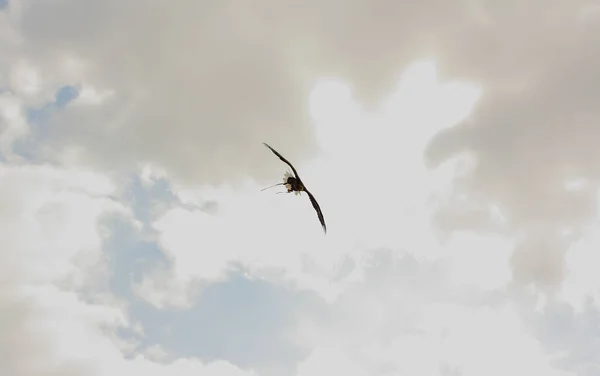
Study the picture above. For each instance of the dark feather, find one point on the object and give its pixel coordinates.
(312, 198)
(284, 160)
(315, 205)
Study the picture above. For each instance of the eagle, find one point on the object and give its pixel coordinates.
(295, 184)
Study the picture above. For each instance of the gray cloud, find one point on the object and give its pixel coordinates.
(202, 82)
(13, 316)
(533, 131)
(198, 86)
(200, 75)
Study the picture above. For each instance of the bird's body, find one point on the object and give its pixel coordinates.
(293, 183)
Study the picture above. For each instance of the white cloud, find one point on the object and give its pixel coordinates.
(13, 125)
(480, 261)
(490, 341)
(25, 79)
(188, 92)
(52, 250)
(62, 335)
(407, 320)
(50, 220)
(89, 95)
(368, 201)
(582, 281)
(325, 360)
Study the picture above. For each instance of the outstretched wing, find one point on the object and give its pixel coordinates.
(283, 159)
(315, 205)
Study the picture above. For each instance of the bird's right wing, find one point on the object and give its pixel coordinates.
(315, 205)
(283, 159)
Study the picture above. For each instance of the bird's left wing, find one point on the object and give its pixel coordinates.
(315, 205)
(283, 159)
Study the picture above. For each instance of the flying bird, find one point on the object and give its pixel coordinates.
(295, 184)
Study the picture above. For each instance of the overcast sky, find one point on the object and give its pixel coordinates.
(452, 147)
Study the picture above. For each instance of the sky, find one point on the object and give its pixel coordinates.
(451, 145)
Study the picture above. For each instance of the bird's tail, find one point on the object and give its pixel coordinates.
(273, 186)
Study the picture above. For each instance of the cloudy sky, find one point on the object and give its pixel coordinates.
(452, 146)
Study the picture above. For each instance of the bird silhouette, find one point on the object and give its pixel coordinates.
(295, 184)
